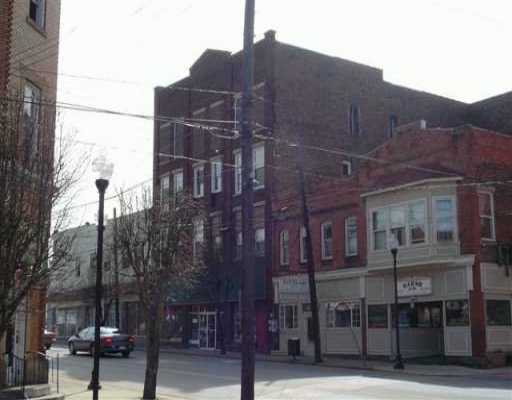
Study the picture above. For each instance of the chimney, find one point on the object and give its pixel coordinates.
(270, 35)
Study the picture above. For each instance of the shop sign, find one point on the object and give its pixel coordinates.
(415, 286)
(294, 285)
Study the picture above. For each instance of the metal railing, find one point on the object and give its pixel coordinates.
(33, 369)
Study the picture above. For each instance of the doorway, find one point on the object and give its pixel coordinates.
(204, 330)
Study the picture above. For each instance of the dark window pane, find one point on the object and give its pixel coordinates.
(457, 313)
(498, 312)
(377, 316)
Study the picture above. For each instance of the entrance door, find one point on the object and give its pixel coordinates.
(207, 330)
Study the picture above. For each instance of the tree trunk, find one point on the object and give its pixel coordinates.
(153, 328)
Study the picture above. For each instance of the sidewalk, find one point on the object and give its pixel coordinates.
(372, 365)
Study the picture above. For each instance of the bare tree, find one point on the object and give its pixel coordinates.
(35, 176)
(162, 243)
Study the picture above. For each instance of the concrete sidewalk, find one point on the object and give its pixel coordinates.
(411, 368)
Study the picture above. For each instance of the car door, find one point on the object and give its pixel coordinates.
(83, 339)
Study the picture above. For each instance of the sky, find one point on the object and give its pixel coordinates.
(455, 48)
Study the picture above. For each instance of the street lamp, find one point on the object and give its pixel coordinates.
(393, 247)
(104, 170)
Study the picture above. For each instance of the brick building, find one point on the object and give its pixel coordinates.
(330, 103)
(29, 44)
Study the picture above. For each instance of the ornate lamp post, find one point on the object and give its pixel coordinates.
(393, 247)
(104, 170)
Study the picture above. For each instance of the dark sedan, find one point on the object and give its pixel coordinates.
(111, 341)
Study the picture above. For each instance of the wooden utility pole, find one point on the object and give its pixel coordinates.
(310, 263)
(116, 275)
(247, 281)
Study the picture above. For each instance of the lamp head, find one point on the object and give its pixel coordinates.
(393, 244)
(102, 167)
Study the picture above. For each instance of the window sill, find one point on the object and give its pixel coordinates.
(36, 27)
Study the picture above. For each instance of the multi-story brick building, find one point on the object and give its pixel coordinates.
(331, 104)
(29, 45)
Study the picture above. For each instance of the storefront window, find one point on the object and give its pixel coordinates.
(288, 317)
(498, 312)
(378, 316)
(457, 313)
(343, 315)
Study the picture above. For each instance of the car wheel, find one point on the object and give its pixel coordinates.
(126, 354)
(72, 349)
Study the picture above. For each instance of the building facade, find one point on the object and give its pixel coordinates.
(29, 38)
(300, 96)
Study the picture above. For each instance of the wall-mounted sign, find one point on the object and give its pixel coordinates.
(415, 286)
(294, 284)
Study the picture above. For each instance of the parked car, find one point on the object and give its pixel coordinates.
(111, 341)
(49, 338)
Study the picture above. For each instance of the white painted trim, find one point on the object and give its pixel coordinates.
(411, 184)
(453, 198)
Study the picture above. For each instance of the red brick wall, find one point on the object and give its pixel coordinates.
(5, 41)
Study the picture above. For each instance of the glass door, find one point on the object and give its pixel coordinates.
(211, 332)
(203, 331)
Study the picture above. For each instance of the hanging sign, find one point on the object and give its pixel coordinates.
(415, 286)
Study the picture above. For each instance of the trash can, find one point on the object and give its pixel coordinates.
(294, 347)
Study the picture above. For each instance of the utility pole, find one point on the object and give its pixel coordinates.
(310, 263)
(247, 281)
(116, 275)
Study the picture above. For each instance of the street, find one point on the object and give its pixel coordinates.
(193, 377)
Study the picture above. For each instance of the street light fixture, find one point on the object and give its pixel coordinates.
(393, 247)
(104, 170)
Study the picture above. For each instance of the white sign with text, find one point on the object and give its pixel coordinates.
(414, 286)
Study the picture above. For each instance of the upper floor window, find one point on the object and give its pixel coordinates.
(346, 168)
(326, 234)
(164, 191)
(178, 139)
(198, 237)
(37, 12)
(238, 171)
(354, 122)
(303, 245)
(258, 165)
(177, 184)
(237, 110)
(393, 123)
(216, 175)
(237, 217)
(486, 207)
(406, 222)
(31, 107)
(351, 236)
(216, 227)
(198, 180)
(444, 219)
(284, 248)
(259, 242)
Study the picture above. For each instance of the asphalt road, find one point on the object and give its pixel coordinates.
(205, 378)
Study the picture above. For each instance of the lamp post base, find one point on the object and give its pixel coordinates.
(91, 386)
(398, 363)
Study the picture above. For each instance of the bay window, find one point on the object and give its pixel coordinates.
(397, 221)
(416, 221)
(445, 219)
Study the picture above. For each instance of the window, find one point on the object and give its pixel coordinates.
(343, 315)
(258, 166)
(378, 316)
(92, 260)
(397, 221)
(259, 242)
(177, 184)
(302, 245)
(217, 236)
(350, 236)
(164, 191)
(326, 228)
(284, 249)
(238, 246)
(37, 12)
(416, 222)
(238, 171)
(486, 206)
(457, 313)
(32, 99)
(445, 219)
(346, 168)
(198, 237)
(393, 123)
(199, 180)
(406, 222)
(354, 120)
(237, 110)
(216, 175)
(379, 226)
(288, 317)
(498, 312)
(237, 254)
